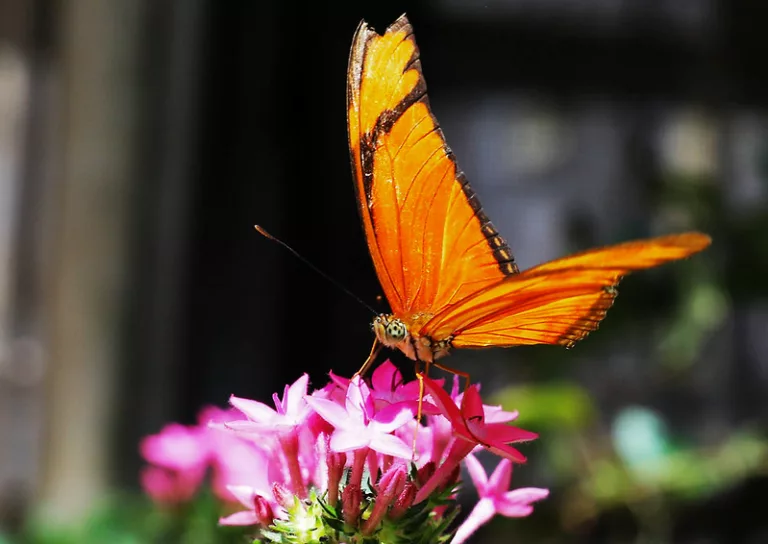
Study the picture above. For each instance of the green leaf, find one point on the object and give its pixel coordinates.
(561, 406)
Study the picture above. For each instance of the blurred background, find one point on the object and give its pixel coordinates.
(141, 141)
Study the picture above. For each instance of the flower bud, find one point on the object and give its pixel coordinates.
(263, 510)
(283, 496)
(403, 502)
(350, 504)
(392, 481)
(290, 444)
(389, 487)
(335, 463)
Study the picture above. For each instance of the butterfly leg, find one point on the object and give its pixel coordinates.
(420, 377)
(455, 372)
(375, 349)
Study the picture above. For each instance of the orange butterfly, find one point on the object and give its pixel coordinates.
(449, 277)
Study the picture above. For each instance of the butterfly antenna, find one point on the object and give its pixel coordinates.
(296, 254)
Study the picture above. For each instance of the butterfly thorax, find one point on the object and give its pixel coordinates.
(403, 334)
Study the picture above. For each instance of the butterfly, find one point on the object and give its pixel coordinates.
(449, 277)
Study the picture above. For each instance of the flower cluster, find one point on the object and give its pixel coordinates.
(349, 462)
(181, 456)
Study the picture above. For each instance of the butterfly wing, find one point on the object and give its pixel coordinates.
(559, 302)
(430, 241)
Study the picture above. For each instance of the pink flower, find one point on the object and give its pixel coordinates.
(208, 414)
(359, 425)
(176, 447)
(468, 423)
(236, 462)
(168, 486)
(469, 430)
(290, 411)
(442, 430)
(495, 497)
(234, 459)
(423, 447)
(335, 442)
(259, 510)
(388, 387)
(180, 455)
(284, 423)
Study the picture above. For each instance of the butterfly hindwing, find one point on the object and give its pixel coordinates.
(429, 239)
(558, 302)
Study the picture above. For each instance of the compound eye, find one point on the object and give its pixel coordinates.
(396, 330)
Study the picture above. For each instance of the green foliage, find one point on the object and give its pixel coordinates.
(563, 406)
(132, 519)
(306, 523)
(682, 473)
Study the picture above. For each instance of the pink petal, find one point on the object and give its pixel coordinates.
(428, 408)
(168, 486)
(480, 515)
(247, 517)
(332, 412)
(517, 503)
(253, 410)
(243, 493)
(175, 446)
(502, 433)
(507, 452)
(257, 429)
(501, 477)
(332, 391)
(409, 391)
(368, 402)
(386, 377)
(392, 417)
(390, 445)
(214, 413)
(455, 389)
(477, 473)
(278, 402)
(341, 382)
(343, 440)
(496, 414)
(294, 395)
(239, 462)
(355, 401)
(242, 426)
(444, 402)
(472, 404)
(424, 439)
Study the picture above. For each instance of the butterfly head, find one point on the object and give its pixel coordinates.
(390, 331)
(394, 332)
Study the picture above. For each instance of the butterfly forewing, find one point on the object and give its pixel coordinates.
(430, 242)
